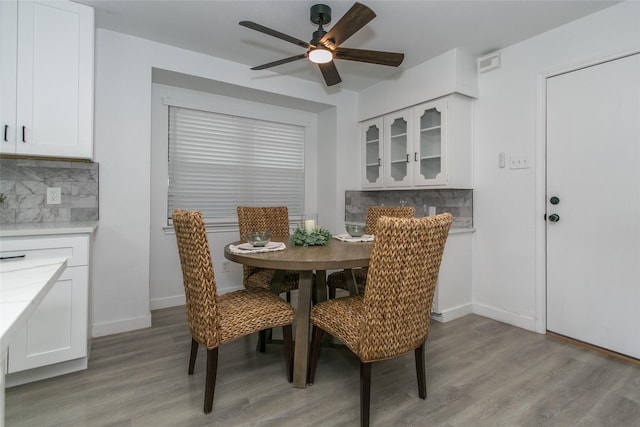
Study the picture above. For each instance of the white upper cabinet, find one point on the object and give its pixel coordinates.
(425, 145)
(430, 150)
(398, 143)
(372, 153)
(47, 78)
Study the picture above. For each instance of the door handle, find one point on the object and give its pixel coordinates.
(554, 217)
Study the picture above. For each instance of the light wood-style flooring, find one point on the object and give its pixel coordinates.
(479, 373)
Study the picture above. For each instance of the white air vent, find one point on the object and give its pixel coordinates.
(489, 62)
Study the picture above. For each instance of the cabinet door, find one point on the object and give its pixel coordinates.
(398, 149)
(57, 330)
(371, 137)
(430, 155)
(8, 46)
(55, 79)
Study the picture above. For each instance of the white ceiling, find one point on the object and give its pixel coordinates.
(420, 29)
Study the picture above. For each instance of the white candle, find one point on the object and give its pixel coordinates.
(309, 225)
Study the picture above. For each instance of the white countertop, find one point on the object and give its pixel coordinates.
(23, 285)
(47, 228)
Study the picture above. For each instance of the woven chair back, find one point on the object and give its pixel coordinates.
(262, 218)
(198, 278)
(403, 271)
(374, 213)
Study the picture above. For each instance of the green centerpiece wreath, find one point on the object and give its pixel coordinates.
(318, 237)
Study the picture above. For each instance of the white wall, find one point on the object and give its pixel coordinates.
(507, 258)
(121, 275)
(508, 253)
(452, 71)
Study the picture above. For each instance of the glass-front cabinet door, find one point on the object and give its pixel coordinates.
(371, 137)
(397, 149)
(430, 156)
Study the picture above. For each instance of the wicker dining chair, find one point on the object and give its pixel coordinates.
(274, 219)
(392, 317)
(337, 280)
(218, 319)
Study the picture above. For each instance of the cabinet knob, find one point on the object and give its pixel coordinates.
(554, 200)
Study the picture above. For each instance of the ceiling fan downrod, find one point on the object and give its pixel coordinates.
(320, 15)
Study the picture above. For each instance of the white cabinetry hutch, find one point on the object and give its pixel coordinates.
(46, 78)
(425, 145)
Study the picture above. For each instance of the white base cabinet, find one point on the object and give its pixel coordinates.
(453, 298)
(56, 338)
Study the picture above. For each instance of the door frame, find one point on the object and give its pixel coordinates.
(540, 323)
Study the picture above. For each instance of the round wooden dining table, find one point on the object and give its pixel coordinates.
(337, 255)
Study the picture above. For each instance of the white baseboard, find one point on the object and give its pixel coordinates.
(43, 372)
(118, 326)
(159, 303)
(453, 313)
(176, 300)
(505, 317)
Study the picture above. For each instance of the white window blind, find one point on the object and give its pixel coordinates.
(218, 162)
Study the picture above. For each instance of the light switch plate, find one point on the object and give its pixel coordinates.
(54, 196)
(519, 162)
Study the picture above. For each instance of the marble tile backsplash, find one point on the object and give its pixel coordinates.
(459, 202)
(24, 184)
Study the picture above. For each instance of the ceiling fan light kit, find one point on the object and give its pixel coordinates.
(320, 55)
(324, 47)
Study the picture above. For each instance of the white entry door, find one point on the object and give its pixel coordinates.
(593, 205)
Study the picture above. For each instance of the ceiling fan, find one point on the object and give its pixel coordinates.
(324, 47)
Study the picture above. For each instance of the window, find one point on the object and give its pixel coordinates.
(219, 161)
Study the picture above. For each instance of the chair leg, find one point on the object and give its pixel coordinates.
(420, 372)
(288, 350)
(289, 297)
(193, 355)
(210, 383)
(314, 351)
(365, 393)
(262, 341)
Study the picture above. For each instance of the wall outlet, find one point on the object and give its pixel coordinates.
(54, 196)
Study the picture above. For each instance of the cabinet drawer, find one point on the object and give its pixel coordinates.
(74, 248)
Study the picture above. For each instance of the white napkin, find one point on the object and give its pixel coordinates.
(347, 238)
(246, 248)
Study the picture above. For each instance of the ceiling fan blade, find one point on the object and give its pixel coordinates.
(392, 59)
(330, 73)
(352, 21)
(280, 62)
(275, 33)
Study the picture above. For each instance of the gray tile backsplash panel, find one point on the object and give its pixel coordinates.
(24, 183)
(459, 202)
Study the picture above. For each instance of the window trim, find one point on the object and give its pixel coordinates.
(165, 94)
